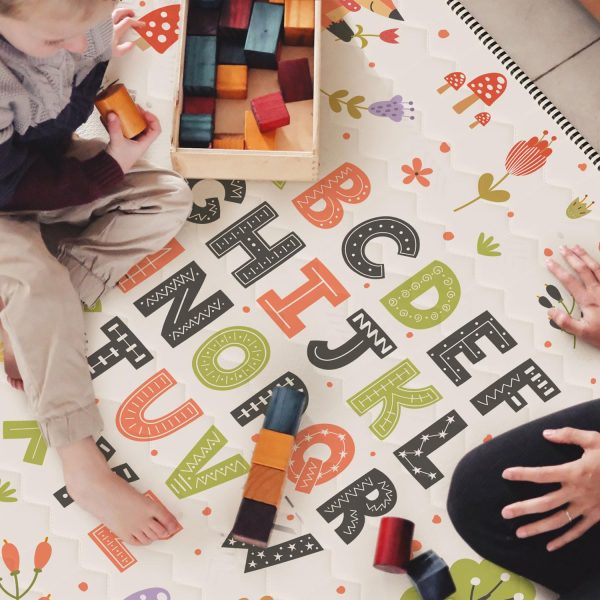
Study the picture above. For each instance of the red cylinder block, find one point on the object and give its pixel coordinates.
(394, 544)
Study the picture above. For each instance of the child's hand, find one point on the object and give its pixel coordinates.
(123, 21)
(585, 289)
(127, 152)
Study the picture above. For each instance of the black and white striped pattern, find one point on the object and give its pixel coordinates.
(488, 41)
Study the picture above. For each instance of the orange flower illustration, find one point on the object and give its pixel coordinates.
(417, 171)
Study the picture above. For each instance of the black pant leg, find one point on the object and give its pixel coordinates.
(478, 493)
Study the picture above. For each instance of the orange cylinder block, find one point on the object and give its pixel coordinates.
(116, 99)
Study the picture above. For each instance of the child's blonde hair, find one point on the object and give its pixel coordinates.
(19, 8)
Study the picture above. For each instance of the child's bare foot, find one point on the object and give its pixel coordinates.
(10, 364)
(130, 515)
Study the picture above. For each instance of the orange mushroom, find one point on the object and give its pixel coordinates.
(482, 118)
(162, 28)
(487, 88)
(453, 80)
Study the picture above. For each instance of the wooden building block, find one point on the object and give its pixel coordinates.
(205, 3)
(254, 522)
(199, 105)
(199, 73)
(277, 1)
(235, 18)
(265, 484)
(254, 139)
(228, 141)
(262, 42)
(270, 111)
(116, 99)
(294, 80)
(203, 21)
(431, 576)
(232, 81)
(273, 449)
(299, 23)
(196, 131)
(231, 52)
(285, 410)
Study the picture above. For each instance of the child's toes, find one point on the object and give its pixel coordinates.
(166, 519)
(158, 529)
(151, 534)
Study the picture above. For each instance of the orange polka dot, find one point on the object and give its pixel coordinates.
(548, 252)
(436, 519)
(510, 214)
(409, 334)
(444, 147)
(254, 438)
(142, 3)
(329, 384)
(346, 136)
(548, 344)
(266, 598)
(372, 453)
(593, 381)
(448, 235)
(207, 511)
(487, 438)
(197, 552)
(290, 517)
(367, 285)
(246, 309)
(154, 452)
(341, 589)
(443, 33)
(371, 64)
(97, 401)
(416, 545)
(83, 586)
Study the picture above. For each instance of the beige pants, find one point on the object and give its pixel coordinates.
(41, 288)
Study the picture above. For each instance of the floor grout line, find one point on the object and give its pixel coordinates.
(567, 59)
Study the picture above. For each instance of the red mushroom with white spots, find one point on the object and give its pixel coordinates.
(487, 88)
(162, 28)
(482, 118)
(453, 80)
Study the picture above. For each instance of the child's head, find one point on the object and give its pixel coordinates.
(40, 28)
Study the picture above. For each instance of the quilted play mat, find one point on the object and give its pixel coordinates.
(404, 292)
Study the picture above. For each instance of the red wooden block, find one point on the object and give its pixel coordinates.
(295, 80)
(198, 105)
(394, 544)
(270, 111)
(235, 17)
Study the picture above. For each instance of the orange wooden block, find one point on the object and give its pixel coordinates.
(265, 484)
(116, 99)
(277, 1)
(228, 141)
(273, 449)
(299, 22)
(254, 139)
(232, 81)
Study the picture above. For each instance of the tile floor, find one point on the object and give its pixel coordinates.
(557, 43)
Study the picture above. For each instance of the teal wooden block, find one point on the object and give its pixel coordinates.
(196, 131)
(263, 36)
(285, 410)
(200, 70)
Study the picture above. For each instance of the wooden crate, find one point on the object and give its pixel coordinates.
(297, 156)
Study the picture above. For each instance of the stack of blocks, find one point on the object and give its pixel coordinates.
(266, 480)
(225, 40)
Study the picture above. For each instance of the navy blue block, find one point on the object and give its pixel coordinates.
(200, 69)
(254, 522)
(231, 52)
(285, 410)
(431, 576)
(196, 131)
(205, 3)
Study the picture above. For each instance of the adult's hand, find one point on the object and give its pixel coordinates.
(579, 491)
(585, 289)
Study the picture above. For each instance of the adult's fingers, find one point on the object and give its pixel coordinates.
(551, 474)
(566, 322)
(579, 266)
(570, 435)
(593, 265)
(572, 283)
(532, 506)
(555, 521)
(571, 534)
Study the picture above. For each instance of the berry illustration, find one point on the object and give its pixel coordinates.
(393, 109)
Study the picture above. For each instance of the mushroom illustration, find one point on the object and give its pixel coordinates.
(162, 28)
(455, 80)
(487, 88)
(482, 118)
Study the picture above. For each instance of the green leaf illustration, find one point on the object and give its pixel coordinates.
(6, 492)
(486, 181)
(486, 246)
(352, 106)
(496, 196)
(280, 184)
(334, 100)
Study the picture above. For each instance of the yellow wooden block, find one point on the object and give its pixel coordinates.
(232, 81)
(277, 1)
(228, 141)
(254, 139)
(299, 22)
(273, 449)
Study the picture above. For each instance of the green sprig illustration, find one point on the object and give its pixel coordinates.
(486, 246)
(353, 105)
(6, 492)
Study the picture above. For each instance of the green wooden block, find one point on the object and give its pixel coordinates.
(196, 131)
(200, 70)
(263, 35)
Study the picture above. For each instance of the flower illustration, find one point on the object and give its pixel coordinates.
(578, 208)
(524, 158)
(10, 556)
(416, 171)
(343, 32)
(555, 294)
(394, 109)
